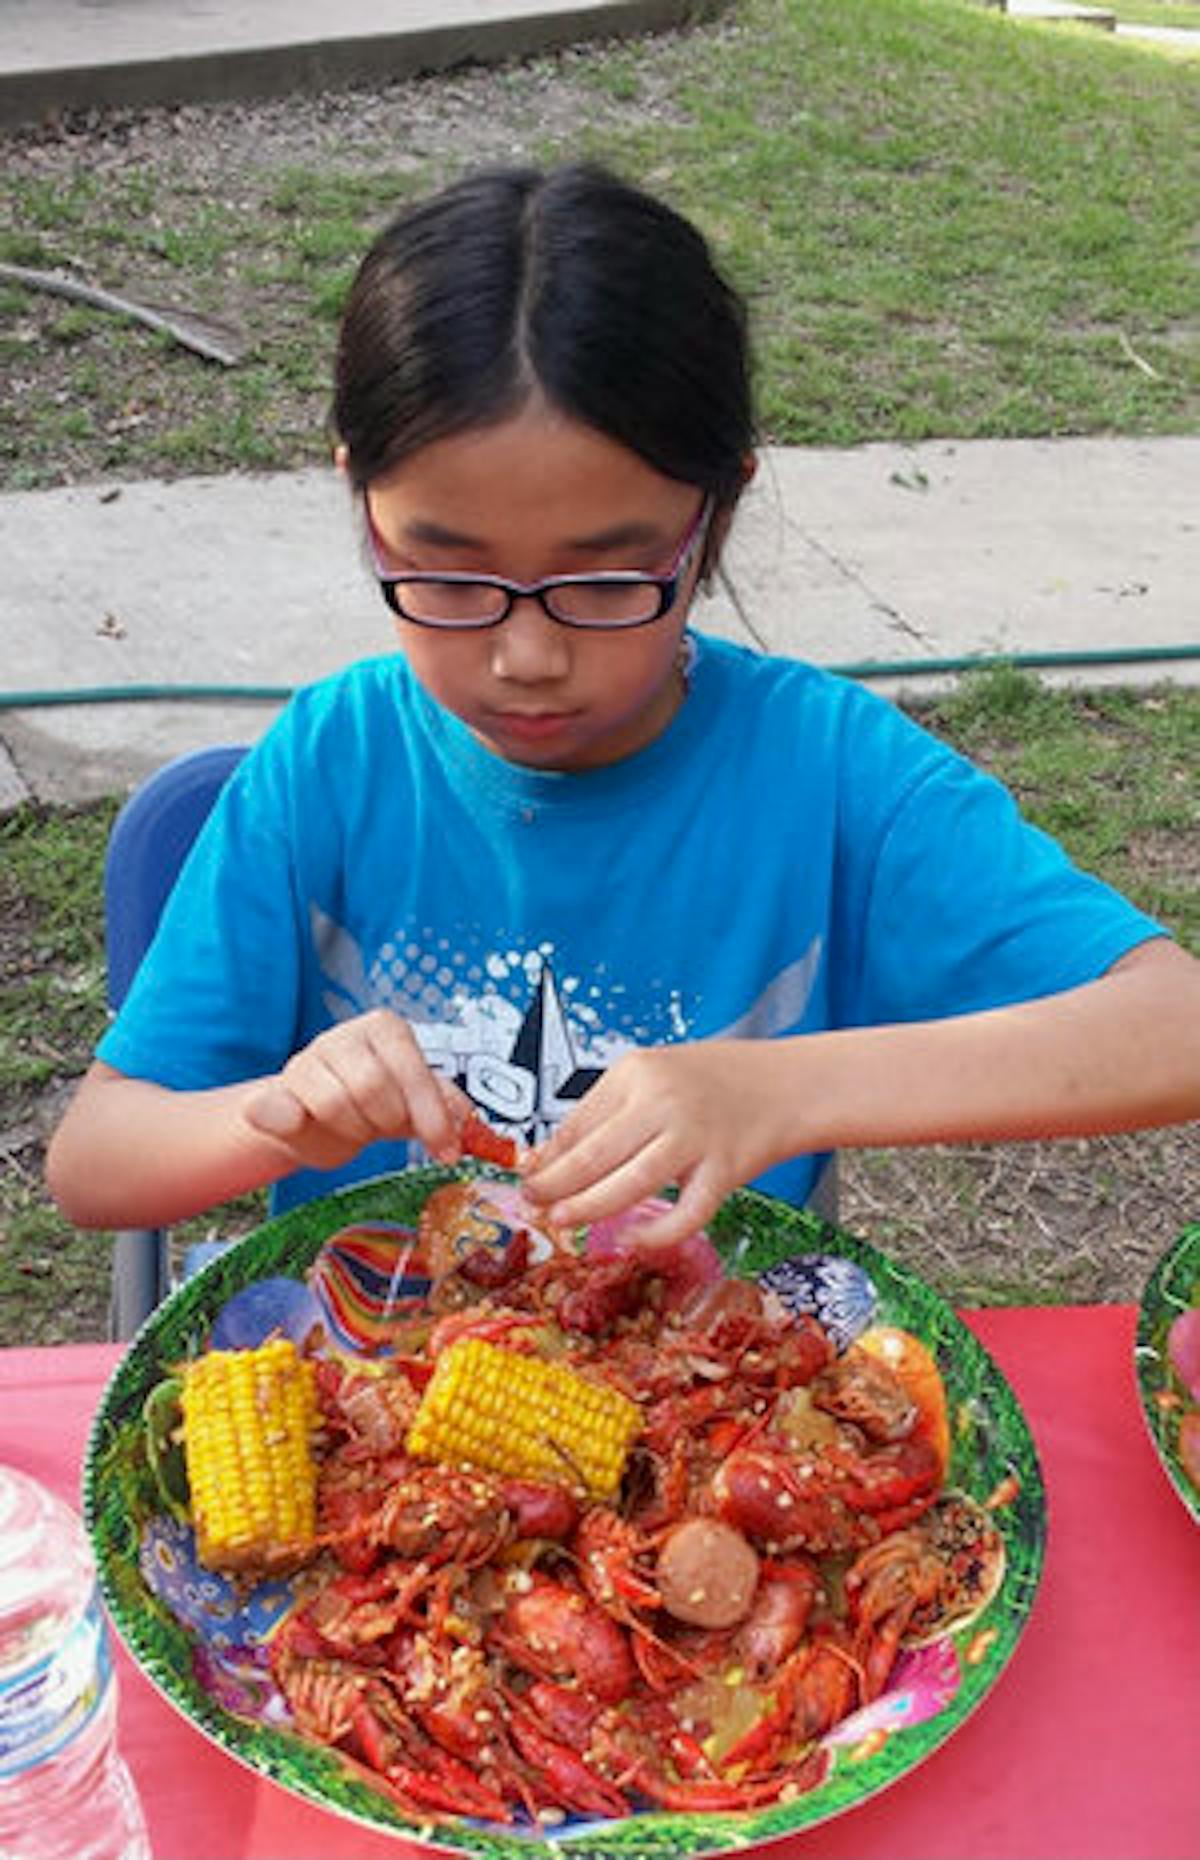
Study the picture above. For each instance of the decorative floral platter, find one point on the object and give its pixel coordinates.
(1167, 1400)
(203, 1643)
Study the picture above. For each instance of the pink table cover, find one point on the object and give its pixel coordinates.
(1085, 1749)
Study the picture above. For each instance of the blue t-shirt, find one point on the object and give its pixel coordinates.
(791, 854)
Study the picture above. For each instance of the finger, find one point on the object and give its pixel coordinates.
(419, 1104)
(586, 1121)
(275, 1111)
(616, 1190)
(583, 1149)
(698, 1201)
(456, 1101)
(317, 1078)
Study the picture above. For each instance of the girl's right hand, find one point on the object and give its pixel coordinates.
(358, 1082)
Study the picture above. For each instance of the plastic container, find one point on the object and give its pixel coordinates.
(65, 1793)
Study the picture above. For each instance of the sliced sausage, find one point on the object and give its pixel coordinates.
(707, 1573)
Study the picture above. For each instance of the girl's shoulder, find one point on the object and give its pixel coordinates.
(790, 695)
(382, 680)
(352, 701)
(357, 724)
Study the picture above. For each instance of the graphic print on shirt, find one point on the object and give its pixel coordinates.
(523, 1041)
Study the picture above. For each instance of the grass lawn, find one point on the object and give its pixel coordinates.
(1115, 775)
(947, 225)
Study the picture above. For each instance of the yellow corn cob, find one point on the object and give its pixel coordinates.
(519, 1415)
(248, 1417)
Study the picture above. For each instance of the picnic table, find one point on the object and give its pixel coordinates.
(1084, 1749)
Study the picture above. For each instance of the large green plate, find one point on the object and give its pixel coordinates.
(992, 1446)
(1173, 1286)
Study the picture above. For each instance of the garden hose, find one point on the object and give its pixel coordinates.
(863, 669)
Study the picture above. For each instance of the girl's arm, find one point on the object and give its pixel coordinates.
(1121, 1053)
(129, 1153)
(132, 1154)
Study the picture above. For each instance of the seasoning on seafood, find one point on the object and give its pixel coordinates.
(597, 1537)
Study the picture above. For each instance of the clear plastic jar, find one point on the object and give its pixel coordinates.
(65, 1793)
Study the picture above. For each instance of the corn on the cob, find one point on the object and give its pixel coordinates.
(509, 1413)
(248, 1418)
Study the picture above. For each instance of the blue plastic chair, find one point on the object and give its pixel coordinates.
(151, 837)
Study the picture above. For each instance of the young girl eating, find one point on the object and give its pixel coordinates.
(671, 913)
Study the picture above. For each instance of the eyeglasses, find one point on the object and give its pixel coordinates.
(460, 603)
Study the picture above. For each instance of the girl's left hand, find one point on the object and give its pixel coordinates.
(702, 1116)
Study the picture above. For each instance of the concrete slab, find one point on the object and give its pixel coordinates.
(1171, 38)
(204, 581)
(999, 547)
(882, 554)
(57, 55)
(14, 789)
(1063, 12)
(238, 583)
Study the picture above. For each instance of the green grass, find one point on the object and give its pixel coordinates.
(54, 1281)
(946, 224)
(1113, 775)
(52, 991)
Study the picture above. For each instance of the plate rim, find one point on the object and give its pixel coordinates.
(1153, 1371)
(732, 1832)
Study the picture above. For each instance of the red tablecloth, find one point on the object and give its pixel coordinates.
(1084, 1750)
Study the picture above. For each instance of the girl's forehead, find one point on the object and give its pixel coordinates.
(536, 469)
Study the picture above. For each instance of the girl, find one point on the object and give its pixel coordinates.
(673, 913)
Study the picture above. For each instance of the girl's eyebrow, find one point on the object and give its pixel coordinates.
(634, 534)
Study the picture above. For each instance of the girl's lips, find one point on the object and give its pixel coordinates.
(531, 727)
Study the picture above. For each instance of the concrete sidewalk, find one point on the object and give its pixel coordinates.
(60, 55)
(882, 554)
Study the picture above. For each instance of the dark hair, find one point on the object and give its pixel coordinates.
(570, 282)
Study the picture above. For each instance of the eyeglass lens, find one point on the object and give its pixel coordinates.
(585, 603)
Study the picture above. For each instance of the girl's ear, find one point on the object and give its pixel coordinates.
(341, 458)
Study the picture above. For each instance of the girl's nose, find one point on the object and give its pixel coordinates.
(529, 647)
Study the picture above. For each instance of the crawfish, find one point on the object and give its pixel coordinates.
(355, 1614)
(321, 1692)
(815, 1687)
(885, 1587)
(778, 1616)
(559, 1773)
(609, 1550)
(443, 1516)
(862, 1389)
(555, 1632)
(828, 1498)
(631, 1767)
(420, 1770)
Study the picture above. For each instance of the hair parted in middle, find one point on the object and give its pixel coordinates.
(567, 283)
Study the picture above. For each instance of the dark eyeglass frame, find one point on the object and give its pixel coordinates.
(666, 585)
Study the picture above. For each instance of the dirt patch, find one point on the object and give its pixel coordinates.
(230, 212)
(1048, 1223)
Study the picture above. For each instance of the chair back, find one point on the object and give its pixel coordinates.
(150, 839)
